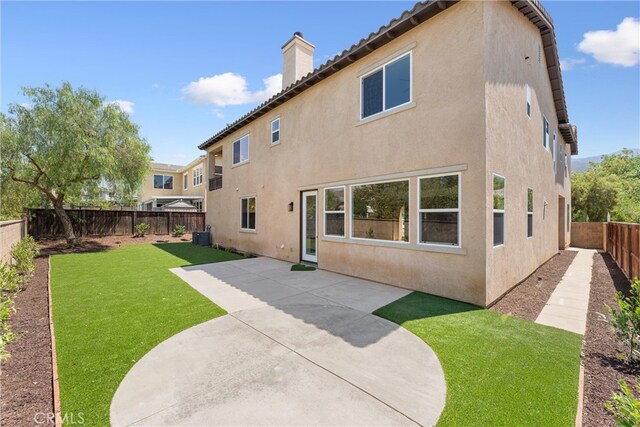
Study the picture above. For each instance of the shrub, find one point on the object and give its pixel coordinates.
(6, 336)
(626, 322)
(625, 406)
(10, 279)
(23, 253)
(179, 230)
(142, 229)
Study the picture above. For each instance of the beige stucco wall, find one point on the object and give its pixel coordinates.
(324, 142)
(515, 148)
(11, 232)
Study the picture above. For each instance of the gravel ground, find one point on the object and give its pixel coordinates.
(27, 375)
(529, 298)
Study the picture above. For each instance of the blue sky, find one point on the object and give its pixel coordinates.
(147, 53)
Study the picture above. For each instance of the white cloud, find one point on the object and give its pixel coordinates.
(26, 105)
(229, 89)
(218, 113)
(567, 64)
(126, 106)
(619, 47)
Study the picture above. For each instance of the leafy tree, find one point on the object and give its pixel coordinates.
(15, 197)
(67, 141)
(593, 195)
(612, 186)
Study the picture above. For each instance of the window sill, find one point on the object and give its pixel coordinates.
(387, 113)
(398, 245)
(239, 164)
(274, 144)
(247, 230)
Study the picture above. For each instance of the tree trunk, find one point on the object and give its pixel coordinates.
(66, 223)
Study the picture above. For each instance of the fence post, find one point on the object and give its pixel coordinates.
(133, 223)
(169, 223)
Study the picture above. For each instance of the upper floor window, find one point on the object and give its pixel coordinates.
(439, 210)
(185, 181)
(566, 165)
(386, 87)
(554, 150)
(545, 132)
(197, 176)
(163, 182)
(241, 150)
(275, 131)
(529, 101)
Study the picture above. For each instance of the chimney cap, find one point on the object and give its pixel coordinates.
(298, 34)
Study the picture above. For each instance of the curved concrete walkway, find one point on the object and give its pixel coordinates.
(298, 348)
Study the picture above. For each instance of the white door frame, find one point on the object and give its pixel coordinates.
(303, 229)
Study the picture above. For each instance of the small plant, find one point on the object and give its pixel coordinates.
(10, 279)
(370, 234)
(142, 229)
(624, 406)
(179, 230)
(626, 322)
(23, 253)
(229, 249)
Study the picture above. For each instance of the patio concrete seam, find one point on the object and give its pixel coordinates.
(330, 372)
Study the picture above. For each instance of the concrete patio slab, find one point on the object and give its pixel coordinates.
(568, 304)
(298, 348)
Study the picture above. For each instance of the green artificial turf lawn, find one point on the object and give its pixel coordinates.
(500, 370)
(302, 267)
(110, 308)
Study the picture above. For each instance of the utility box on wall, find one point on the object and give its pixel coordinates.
(201, 238)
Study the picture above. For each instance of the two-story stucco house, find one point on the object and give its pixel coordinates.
(433, 155)
(175, 187)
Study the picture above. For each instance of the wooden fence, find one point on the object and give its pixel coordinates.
(623, 243)
(45, 223)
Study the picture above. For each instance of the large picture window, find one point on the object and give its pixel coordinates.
(386, 87)
(439, 210)
(498, 210)
(334, 212)
(380, 211)
(248, 213)
(529, 212)
(163, 182)
(241, 150)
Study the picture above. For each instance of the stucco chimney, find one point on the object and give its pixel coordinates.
(297, 59)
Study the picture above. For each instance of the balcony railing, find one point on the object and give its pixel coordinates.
(215, 183)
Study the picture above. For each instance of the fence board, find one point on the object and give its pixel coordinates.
(88, 222)
(623, 243)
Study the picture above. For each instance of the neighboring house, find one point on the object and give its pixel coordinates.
(432, 155)
(175, 187)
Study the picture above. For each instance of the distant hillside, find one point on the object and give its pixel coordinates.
(581, 165)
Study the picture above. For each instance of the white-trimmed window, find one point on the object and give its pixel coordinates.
(529, 101)
(163, 182)
(386, 87)
(554, 148)
(275, 131)
(498, 209)
(545, 132)
(197, 176)
(380, 211)
(529, 212)
(185, 180)
(241, 150)
(248, 213)
(566, 165)
(334, 212)
(439, 210)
